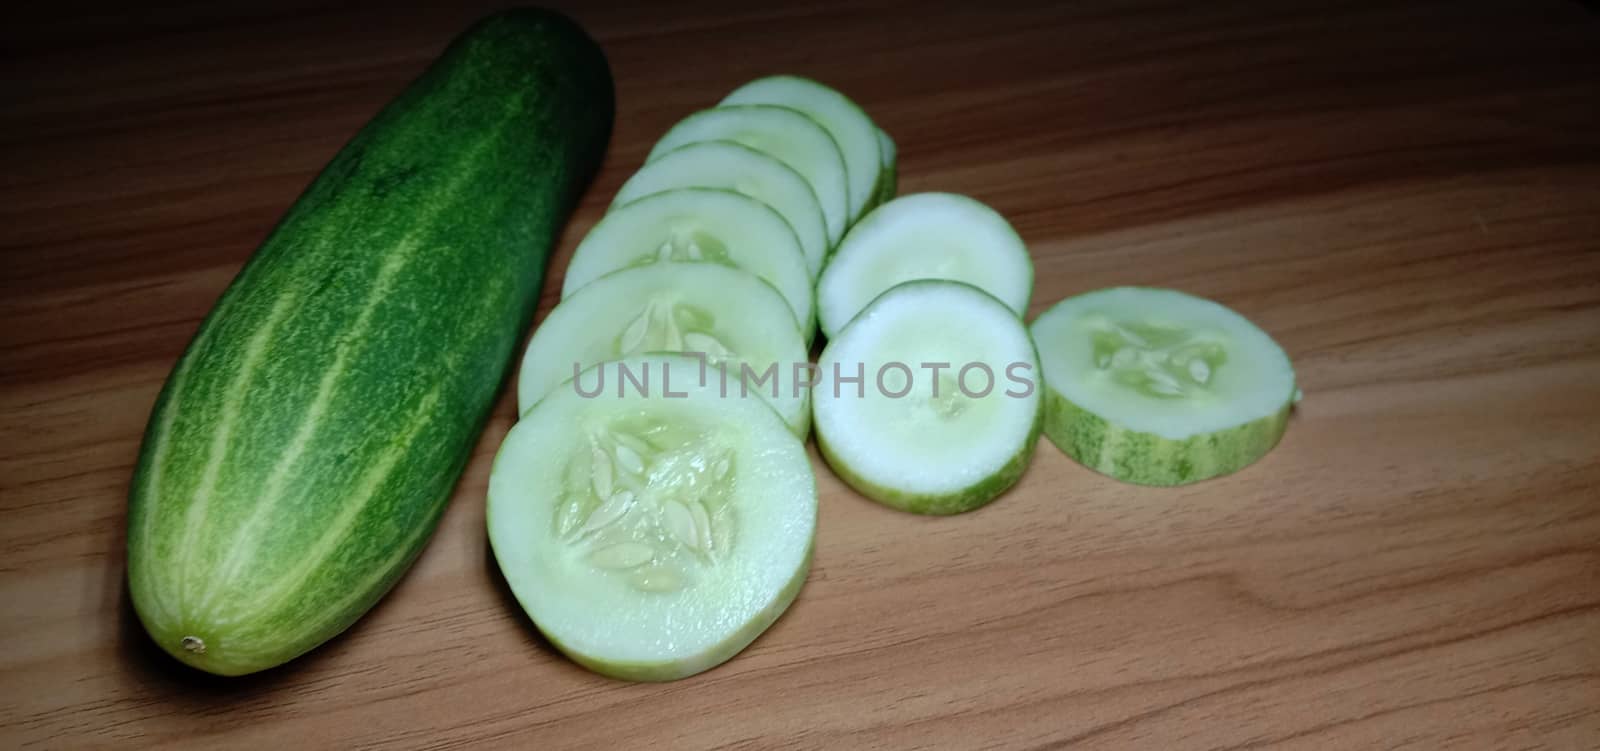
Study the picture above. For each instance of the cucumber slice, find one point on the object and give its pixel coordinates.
(889, 175)
(850, 127)
(786, 135)
(698, 225)
(727, 314)
(652, 537)
(1156, 387)
(953, 439)
(924, 236)
(731, 166)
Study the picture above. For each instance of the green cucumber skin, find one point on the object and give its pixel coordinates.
(1148, 459)
(888, 185)
(882, 193)
(303, 448)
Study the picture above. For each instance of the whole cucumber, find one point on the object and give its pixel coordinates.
(303, 448)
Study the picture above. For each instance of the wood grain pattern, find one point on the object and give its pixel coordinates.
(1407, 195)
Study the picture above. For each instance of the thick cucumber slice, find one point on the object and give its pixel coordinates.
(924, 236)
(917, 436)
(786, 135)
(698, 225)
(731, 166)
(889, 175)
(1157, 387)
(651, 537)
(846, 122)
(726, 314)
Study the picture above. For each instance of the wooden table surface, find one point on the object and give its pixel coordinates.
(1405, 194)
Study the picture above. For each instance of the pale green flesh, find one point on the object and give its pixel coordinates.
(924, 236)
(786, 135)
(850, 127)
(698, 225)
(1158, 387)
(727, 314)
(731, 166)
(928, 452)
(652, 538)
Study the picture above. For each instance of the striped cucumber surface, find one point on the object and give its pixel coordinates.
(304, 446)
(1148, 459)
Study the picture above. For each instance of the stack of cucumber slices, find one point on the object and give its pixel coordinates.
(654, 509)
(1149, 386)
(927, 401)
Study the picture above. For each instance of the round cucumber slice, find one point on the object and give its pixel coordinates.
(651, 537)
(850, 127)
(786, 135)
(728, 315)
(946, 412)
(698, 225)
(731, 166)
(889, 175)
(924, 236)
(1156, 387)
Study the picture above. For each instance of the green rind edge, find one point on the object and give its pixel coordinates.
(888, 177)
(1148, 459)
